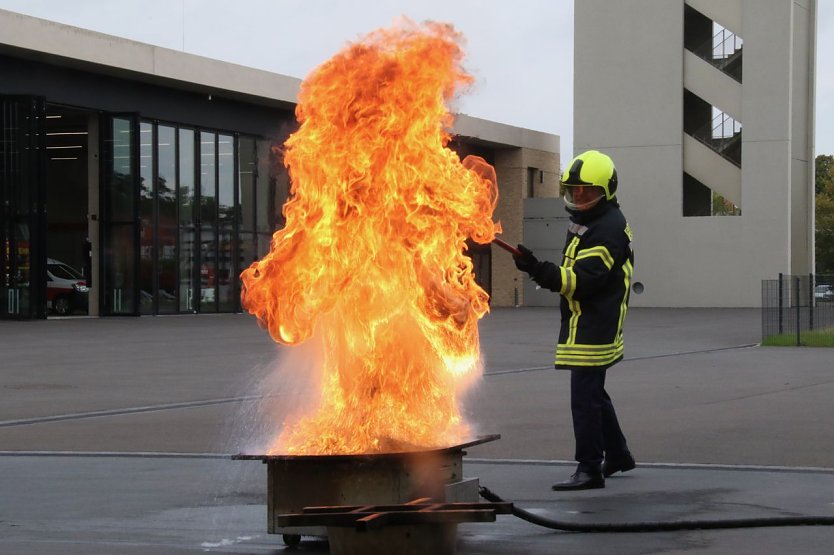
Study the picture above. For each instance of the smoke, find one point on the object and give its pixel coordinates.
(281, 390)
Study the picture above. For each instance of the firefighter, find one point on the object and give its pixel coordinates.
(593, 280)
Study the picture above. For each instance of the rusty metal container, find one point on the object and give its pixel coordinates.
(298, 481)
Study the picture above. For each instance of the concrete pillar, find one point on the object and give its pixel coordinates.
(511, 173)
(515, 167)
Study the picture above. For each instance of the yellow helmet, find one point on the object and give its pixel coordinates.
(592, 168)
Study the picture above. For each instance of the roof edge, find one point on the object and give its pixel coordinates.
(501, 134)
(67, 45)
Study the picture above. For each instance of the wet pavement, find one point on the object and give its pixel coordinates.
(115, 436)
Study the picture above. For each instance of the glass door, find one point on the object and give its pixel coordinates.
(120, 215)
(187, 214)
(207, 226)
(22, 183)
(228, 290)
(166, 219)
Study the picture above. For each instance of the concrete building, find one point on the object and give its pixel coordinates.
(707, 108)
(150, 172)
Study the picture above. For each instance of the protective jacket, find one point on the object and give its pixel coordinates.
(594, 281)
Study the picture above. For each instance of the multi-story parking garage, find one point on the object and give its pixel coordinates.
(707, 108)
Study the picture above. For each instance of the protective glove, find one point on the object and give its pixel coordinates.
(544, 273)
(526, 262)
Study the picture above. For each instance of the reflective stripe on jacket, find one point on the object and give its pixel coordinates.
(594, 281)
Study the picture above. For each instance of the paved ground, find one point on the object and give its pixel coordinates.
(115, 435)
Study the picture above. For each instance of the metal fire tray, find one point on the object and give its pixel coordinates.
(369, 456)
(298, 481)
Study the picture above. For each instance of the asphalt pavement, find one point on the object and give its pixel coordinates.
(116, 435)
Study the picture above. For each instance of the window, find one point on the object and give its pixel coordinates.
(205, 200)
(533, 176)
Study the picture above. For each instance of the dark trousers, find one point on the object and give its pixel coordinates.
(595, 425)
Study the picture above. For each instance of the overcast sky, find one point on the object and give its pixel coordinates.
(520, 51)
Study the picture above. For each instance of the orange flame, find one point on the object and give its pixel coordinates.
(371, 262)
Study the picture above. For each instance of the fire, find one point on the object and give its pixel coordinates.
(371, 265)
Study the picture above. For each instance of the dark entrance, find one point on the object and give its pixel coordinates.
(107, 214)
(46, 255)
(69, 246)
(22, 211)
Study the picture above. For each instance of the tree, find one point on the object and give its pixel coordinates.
(824, 213)
(824, 181)
(723, 207)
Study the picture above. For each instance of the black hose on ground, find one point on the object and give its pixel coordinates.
(658, 526)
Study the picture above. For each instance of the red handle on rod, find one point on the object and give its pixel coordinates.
(507, 247)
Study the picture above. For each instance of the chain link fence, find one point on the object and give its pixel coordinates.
(798, 310)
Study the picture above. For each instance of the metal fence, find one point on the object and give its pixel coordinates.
(798, 310)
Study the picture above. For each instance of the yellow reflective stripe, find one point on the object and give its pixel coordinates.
(570, 252)
(588, 361)
(628, 269)
(571, 361)
(599, 251)
(588, 355)
(568, 281)
(576, 312)
(573, 305)
(595, 350)
(574, 244)
(601, 359)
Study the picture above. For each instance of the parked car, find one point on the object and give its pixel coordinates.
(824, 292)
(66, 288)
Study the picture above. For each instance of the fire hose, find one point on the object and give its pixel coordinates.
(651, 526)
(660, 526)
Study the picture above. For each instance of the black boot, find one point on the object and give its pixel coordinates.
(619, 464)
(581, 480)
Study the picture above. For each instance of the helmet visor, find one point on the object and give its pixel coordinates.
(582, 197)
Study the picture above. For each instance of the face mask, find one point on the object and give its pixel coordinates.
(582, 198)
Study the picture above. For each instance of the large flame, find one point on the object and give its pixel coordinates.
(371, 263)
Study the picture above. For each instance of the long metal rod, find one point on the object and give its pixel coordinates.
(507, 247)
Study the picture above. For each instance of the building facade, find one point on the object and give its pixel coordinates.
(707, 108)
(138, 180)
